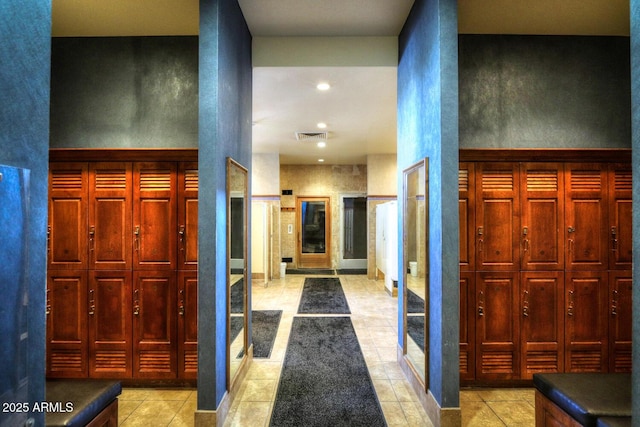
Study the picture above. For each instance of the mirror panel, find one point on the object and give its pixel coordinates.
(416, 268)
(237, 199)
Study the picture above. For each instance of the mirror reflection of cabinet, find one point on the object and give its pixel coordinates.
(237, 196)
(415, 268)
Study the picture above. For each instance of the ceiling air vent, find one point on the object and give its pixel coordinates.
(311, 136)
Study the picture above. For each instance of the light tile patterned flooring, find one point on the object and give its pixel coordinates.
(374, 316)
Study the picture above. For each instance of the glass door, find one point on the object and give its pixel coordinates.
(353, 236)
(314, 232)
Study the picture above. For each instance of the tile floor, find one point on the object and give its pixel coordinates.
(374, 316)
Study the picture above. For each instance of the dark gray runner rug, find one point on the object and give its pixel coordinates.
(415, 304)
(265, 325)
(415, 329)
(323, 295)
(324, 379)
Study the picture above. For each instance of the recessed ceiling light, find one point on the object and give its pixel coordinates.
(322, 125)
(320, 160)
(322, 144)
(323, 86)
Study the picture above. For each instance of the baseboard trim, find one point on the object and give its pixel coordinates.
(440, 417)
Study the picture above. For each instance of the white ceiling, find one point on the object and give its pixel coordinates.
(360, 108)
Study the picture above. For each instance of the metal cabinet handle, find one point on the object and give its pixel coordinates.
(481, 304)
(614, 239)
(92, 233)
(614, 302)
(182, 237)
(525, 304)
(136, 303)
(181, 307)
(92, 304)
(136, 240)
(571, 307)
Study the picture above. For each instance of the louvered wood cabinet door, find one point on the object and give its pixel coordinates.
(466, 203)
(110, 324)
(586, 218)
(497, 217)
(188, 324)
(110, 216)
(67, 228)
(497, 326)
(154, 324)
(620, 217)
(154, 216)
(620, 320)
(467, 326)
(188, 216)
(67, 347)
(542, 228)
(586, 321)
(542, 314)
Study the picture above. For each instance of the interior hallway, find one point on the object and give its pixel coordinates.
(374, 316)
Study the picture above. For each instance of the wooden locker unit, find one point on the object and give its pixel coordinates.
(542, 331)
(67, 350)
(620, 217)
(586, 321)
(620, 320)
(110, 215)
(67, 228)
(154, 216)
(115, 307)
(188, 324)
(497, 326)
(497, 213)
(110, 323)
(586, 220)
(542, 216)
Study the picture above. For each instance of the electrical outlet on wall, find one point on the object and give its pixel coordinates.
(290, 228)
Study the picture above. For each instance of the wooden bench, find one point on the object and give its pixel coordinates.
(92, 403)
(583, 399)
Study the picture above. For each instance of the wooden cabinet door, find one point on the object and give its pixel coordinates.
(620, 321)
(188, 216)
(67, 351)
(466, 179)
(620, 217)
(542, 228)
(586, 321)
(586, 216)
(67, 228)
(497, 326)
(109, 310)
(542, 331)
(188, 324)
(497, 217)
(154, 324)
(154, 216)
(467, 326)
(110, 212)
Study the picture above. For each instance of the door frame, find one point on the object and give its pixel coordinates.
(313, 260)
(360, 263)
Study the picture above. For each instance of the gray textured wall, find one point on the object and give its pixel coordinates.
(124, 92)
(544, 92)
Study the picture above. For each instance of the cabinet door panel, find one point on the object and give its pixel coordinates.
(466, 179)
(587, 322)
(67, 351)
(542, 332)
(110, 214)
(154, 324)
(497, 217)
(188, 216)
(110, 324)
(586, 217)
(620, 217)
(67, 229)
(497, 326)
(467, 326)
(542, 216)
(620, 321)
(154, 216)
(188, 324)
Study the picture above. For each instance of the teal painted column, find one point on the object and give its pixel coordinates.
(635, 150)
(224, 130)
(428, 127)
